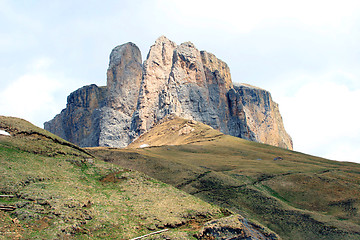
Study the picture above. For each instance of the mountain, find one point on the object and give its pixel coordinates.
(298, 196)
(52, 189)
(173, 80)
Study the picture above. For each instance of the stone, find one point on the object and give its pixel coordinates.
(123, 78)
(235, 227)
(175, 80)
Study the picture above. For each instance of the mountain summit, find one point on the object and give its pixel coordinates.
(175, 80)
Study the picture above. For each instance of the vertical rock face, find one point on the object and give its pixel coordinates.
(157, 68)
(124, 77)
(174, 79)
(101, 116)
(123, 82)
(263, 116)
(79, 122)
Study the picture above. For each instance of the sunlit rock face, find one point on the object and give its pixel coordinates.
(174, 79)
(263, 116)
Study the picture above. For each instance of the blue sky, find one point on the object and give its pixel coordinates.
(306, 53)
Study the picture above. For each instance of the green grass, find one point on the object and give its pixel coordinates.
(298, 197)
(63, 192)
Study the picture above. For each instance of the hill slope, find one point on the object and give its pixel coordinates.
(52, 189)
(296, 195)
(173, 130)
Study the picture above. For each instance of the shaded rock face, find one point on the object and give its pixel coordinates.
(124, 77)
(79, 121)
(174, 79)
(101, 116)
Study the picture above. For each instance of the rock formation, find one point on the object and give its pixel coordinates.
(123, 82)
(79, 122)
(235, 227)
(174, 79)
(263, 116)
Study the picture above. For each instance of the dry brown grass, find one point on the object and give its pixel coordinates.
(176, 131)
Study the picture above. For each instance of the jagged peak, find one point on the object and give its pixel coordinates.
(119, 51)
(210, 56)
(188, 50)
(188, 44)
(162, 50)
(162, 39)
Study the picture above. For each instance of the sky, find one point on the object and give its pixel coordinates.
(306, 53)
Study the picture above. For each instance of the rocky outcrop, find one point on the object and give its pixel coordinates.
(174, 80)
(153, 94)
(263, 116)
(124, 77)
(235, 227)
(190, 84)
(79, 121)
(101, 116)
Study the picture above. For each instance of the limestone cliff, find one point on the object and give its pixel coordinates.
(101, 116)
(263, 116)
(79, 121)
(123, 82)
(174, 79)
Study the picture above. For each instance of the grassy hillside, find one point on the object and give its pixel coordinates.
(296, 195)
(58, 191)
(173, 130)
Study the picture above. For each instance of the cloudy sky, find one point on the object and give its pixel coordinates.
(306, 53)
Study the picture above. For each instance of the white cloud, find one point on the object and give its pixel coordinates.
(32, 95)
(344, 151)
(242, 16)
(29, 97)
(40, 64)
(322, 116)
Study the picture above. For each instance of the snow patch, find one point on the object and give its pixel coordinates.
(2, 132)
(144, 145)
